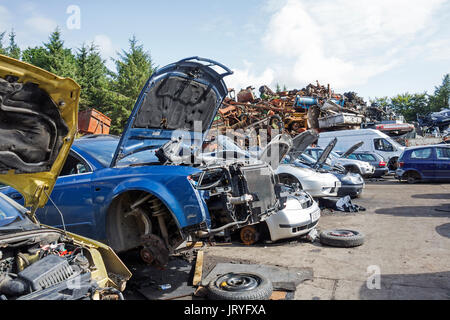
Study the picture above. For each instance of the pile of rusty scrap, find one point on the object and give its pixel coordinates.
(313, 107)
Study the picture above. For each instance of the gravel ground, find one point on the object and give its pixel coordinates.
(407, 230)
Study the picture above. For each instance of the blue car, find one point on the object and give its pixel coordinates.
(146, 190)
(425, 163)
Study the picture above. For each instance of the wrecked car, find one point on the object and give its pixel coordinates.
(148, 190)
(291, 172)
(300, 214)
(374, 159)
(354, 166)
(352, 184)
(38, 113)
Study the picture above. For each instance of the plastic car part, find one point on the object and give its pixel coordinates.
(240, 286)
(342, 238)
(35, 146)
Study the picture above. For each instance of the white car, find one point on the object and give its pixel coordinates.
(317, 184)
(299, 217)
(290, 172)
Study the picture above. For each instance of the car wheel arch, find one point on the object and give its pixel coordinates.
(112, 230)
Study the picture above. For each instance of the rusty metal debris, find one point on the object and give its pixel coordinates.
(315, 107)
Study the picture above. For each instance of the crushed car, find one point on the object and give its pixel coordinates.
(148, 189)
(38, 113)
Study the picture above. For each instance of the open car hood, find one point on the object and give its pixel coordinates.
(178, 102)
(326, 153)
(276, 150)
(38, 123)
(352, 149)
(301, 142)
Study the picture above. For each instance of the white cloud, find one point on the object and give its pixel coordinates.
(105, 45)
(242, 78)
(5, 19)
(41, 25)
(343, 42)
(107, 49)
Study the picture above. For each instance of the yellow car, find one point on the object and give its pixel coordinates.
(38, 123)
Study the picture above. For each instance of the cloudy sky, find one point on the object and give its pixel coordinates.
(376, 48)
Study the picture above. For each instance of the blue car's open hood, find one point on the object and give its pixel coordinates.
(181, 98)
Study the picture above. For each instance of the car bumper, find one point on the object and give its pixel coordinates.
(318, 190)
(379, 172)
(352, 190)
(399, 173)
(293, 222)
(367, 172)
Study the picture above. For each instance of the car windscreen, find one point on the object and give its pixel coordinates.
(101, 150)
(366, 157)
(8, 214)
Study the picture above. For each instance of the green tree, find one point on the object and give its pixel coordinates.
(13, 49)
(92, 76)
(278, 88)
(382, 102)
(440, 99)
(2, 50)
(411, 105)
(53, 56)
(134, 67)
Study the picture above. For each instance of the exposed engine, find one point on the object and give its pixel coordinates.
(238, 194)
(49, 270)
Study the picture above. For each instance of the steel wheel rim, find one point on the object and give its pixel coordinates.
(238, 282)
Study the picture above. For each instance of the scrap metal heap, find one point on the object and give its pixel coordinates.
(314, 107)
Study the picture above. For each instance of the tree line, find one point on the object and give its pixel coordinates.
(111, 92)
(411, 105)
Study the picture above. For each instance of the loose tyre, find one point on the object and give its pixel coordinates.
(342, 238)
(240, 286)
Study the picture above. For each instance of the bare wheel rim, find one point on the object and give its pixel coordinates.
(237, 282)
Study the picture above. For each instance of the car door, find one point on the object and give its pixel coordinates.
(383, 147)
(73, 195)
(442, 163)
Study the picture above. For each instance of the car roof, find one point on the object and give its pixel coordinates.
(428, 146)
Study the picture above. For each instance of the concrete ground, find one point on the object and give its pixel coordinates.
(407, 230)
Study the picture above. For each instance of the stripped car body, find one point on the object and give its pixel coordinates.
(38, 120)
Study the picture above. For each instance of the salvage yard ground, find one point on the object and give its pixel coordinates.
(407, 230)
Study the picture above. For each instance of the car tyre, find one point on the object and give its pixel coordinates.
(342, 238)
(412, 178)
(240, 286)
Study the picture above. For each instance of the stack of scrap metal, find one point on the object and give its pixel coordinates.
(314, 107)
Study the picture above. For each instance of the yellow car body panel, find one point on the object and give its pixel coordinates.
(109, 271)
(66, 94)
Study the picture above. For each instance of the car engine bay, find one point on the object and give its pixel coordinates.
(45, 266)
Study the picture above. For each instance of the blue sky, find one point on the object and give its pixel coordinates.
(376, 48)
